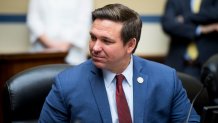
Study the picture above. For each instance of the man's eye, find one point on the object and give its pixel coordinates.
(93, 38)
(107, 41)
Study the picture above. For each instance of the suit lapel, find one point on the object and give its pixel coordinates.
(139, 93)
(100, 94)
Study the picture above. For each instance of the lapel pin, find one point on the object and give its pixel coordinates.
(140, 80)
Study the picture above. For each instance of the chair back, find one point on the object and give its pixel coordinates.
(193, 86)
(25, 93)
(209, 77)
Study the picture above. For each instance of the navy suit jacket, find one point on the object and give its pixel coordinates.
(182, 34)
(79, 95)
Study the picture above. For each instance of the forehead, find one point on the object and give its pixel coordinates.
(106, 27)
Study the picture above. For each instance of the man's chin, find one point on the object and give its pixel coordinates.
(99, 64)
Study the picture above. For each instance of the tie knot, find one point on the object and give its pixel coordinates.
(119, 79)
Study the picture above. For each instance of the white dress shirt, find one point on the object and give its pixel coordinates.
(67, 20)
(110, 84)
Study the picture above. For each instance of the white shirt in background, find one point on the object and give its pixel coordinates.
(67, 20)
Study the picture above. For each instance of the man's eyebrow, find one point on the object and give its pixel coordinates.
(102, 37)
(107, 38)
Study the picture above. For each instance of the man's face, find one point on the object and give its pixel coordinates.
(106, 46)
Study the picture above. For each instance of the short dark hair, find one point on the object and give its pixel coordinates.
(130, 19)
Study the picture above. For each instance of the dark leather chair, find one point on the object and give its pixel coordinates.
(24, 94)
(209, 77)
(193, 86)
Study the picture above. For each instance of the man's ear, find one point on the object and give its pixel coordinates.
(131, 45)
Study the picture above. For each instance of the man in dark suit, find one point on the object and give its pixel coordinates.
(187, 25)
(93, 91)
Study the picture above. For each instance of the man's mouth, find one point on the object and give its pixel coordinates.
(97, 58)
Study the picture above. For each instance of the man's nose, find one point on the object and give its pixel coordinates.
(97, 46)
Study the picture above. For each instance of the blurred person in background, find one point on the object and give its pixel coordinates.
(60, 25)
(193, 28)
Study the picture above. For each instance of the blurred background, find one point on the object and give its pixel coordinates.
(14, 35)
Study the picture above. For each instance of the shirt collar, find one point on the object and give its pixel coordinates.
(128, 73)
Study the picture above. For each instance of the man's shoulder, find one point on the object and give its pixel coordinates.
(149, 63)
(149, 66)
